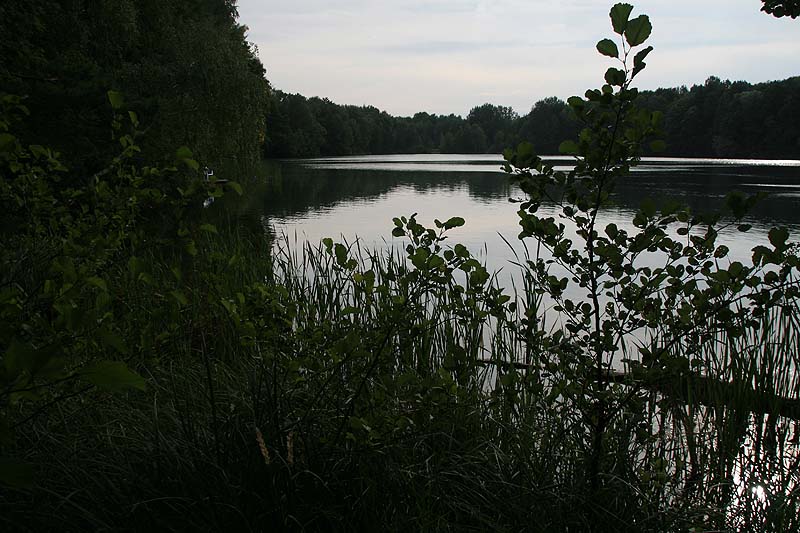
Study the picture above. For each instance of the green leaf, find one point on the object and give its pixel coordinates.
(619, 17)
(183, 153)
(16, 474)
(179, 297)
(116, 99)
(210, 228)
(638, 59)
(658, 146)
(236, 187)
(615, 76)
(113, 375)
(6, 142)
(607, 47)
(575, 101)
(638, 30)
(778, 237)
(112, 340)
(454, 222)
(98, 282)
(398, 232)
(568, 147)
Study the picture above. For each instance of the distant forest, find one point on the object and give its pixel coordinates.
(716, 119)
(186, 69)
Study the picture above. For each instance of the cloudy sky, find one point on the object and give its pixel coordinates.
(447, 56)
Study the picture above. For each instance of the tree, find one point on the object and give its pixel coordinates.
(492, 120)
(185, 67)
(549, 122)
(663, 323)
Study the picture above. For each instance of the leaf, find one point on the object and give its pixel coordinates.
(98, 282)
(116, 99)
(619, 17)
(112, 340)
(16, 474)
(658, 146)
(778, 237)
(179, 297)
(568, 147)
(607, 47)
(113, 376)
(454, 222)
(236, 187)
(638, 61)
(6, 142)
(615, 76)
(638, 30)
(210, 228)
(183, 153)
(575, 101)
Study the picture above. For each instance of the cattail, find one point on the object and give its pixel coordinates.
(262, 446)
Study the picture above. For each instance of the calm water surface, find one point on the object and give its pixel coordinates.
(357, 197)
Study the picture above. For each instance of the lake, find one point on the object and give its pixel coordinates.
(356, 197)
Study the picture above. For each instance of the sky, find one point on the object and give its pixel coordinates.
(448, 56)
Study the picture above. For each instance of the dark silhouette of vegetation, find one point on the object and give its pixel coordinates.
(184, 67)
(781, 8)
(162, 368)
(721, 119)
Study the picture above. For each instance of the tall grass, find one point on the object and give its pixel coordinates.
(300, 393)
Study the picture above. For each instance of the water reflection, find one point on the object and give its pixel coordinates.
(358, 196)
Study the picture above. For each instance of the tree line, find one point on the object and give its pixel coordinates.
(716, 119)
(186, 69)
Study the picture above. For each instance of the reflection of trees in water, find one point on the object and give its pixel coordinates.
(291, 189)
(704, 189)
(298, 189)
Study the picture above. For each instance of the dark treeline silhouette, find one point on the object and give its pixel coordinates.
(716, 119)
(186, 69)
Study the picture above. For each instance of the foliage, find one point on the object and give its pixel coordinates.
(654, 301)
(62, 308)
(635, 380)
(781, 8)
(718, 118)
(185, 66)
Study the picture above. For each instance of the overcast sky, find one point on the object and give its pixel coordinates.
(447, 56)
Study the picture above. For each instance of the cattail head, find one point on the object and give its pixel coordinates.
(262, 446)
